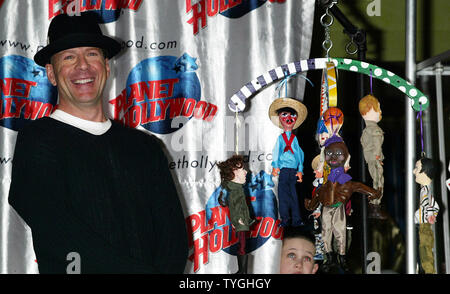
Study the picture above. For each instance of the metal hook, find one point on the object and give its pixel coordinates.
(349, 44)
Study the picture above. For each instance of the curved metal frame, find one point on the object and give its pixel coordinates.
(419, 101)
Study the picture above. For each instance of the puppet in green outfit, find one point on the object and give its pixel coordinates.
(233, 177)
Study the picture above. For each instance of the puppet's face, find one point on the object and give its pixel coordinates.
(287, 120)
(335, 155)
(239, 175)
(323, 137)
(373, 115)
(421, 177)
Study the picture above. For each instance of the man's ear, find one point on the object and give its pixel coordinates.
(50, 74)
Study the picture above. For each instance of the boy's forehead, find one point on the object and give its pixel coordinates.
(298, 244)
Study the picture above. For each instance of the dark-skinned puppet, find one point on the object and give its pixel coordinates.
(233, 177)
(371, 141)
(426, 215)
(288, 114)
(333, 195)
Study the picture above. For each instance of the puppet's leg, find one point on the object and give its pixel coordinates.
(284, 194)
(293, 200)
(426, 244)
(376, 173)
(241, 256)
(339, 231)
(327, 236)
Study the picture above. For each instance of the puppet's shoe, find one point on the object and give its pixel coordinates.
(343, 263)
(328, 263)
(376, 212)
(242, 264)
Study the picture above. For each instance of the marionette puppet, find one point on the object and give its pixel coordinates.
(333, 195)
(426, 215)
(333, 119)
(233, 176)
(288, 114)
(372, 140)
(318, 181)
(322, 135)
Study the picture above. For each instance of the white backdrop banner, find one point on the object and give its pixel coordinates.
(181, 62)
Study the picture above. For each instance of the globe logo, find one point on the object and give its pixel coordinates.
(162, 89)
(25, 92)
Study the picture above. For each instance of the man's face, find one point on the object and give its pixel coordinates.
(335, 155)
(287, 120)
(80, 75)
(297, 257)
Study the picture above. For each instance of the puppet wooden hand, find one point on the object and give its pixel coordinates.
(375, 195)
(300, 177)
(275, 172)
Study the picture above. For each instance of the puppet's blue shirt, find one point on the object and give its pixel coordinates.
(287, 159)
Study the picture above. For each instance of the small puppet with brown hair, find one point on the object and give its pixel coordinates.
(372, 140)
(233, 177)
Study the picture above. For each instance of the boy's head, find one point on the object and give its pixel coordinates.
(297, 252)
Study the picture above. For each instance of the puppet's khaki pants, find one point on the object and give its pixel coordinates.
(426, 244)
(334, 223)
(376, 173)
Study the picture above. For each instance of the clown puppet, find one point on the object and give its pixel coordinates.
(288, 114)
(333, 119)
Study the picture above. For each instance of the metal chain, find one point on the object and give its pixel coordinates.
(326, 21)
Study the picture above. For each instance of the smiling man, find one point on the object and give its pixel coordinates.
(89, 188)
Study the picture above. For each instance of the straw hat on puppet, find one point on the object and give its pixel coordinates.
(279, 103)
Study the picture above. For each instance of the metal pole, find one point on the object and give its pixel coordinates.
(364, 224)
(410, 144)
(441, 135)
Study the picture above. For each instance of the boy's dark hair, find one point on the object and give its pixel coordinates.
(427, 167)
(299, 232)
(287, 109)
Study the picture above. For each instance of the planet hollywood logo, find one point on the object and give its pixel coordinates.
(162, 93)
(210, 230)
(107, 10)
(25, 92)
(203, 9)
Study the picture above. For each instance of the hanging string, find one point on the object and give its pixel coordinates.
(236, 120)
(284, 83)
(419, 116)
(371, 82)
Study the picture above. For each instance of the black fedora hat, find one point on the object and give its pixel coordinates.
(67, 32)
